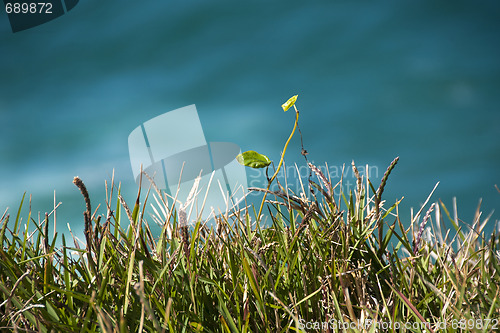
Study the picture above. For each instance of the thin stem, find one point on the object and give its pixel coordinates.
(281, 161)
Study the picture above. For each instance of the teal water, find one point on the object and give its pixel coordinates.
(415, 79)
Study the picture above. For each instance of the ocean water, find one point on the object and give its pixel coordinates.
(415, 79)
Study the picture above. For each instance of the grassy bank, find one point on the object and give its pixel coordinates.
(324, 262)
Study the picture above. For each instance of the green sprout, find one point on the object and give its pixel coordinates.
(255, 160)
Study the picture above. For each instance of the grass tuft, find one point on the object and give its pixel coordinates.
(320, 265)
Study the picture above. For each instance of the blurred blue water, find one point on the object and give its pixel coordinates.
(415, 79)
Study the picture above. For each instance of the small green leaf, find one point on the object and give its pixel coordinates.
(288, 104)
(253, 159)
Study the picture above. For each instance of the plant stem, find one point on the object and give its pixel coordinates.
(281, 162)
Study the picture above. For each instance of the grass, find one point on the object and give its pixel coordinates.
(324, 264)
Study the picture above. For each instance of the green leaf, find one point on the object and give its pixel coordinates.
(253, 159)
(288, 104)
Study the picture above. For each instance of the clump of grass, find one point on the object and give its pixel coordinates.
(323, 262)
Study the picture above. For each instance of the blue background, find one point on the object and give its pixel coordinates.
(376, 80)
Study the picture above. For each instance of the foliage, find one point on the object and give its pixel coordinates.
(324, 259)
(253, 159)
